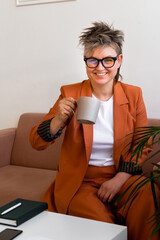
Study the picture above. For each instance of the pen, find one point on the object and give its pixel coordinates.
(11, 208)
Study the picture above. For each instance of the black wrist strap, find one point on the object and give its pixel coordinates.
(44, 131)
(130, 167)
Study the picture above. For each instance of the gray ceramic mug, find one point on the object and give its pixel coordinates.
(87, 110)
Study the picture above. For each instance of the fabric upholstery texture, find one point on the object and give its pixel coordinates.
(6, 143)
(23, 182)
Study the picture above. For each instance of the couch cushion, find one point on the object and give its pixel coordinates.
(24, 155)
(23, 182)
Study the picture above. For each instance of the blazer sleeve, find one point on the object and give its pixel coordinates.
(40, 137)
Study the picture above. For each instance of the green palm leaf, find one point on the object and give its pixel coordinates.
(141, 139)
(155, 219)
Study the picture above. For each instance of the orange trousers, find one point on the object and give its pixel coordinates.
(86, 204)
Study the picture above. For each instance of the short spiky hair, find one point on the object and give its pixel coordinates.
(101, 34)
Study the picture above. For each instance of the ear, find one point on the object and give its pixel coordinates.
(120, 57)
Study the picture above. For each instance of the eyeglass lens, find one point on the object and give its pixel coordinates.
(106, 62)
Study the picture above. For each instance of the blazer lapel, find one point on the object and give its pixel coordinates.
(87, 129)
(120, 121)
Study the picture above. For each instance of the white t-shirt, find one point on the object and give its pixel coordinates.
(102, 148)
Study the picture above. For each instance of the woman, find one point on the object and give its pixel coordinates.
(93, 169)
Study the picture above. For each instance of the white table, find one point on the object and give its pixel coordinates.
(50, 226)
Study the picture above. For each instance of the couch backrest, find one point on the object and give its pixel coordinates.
(24, 155)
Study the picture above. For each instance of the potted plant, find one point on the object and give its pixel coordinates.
(144, 138)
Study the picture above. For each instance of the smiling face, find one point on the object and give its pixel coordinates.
(100, 75)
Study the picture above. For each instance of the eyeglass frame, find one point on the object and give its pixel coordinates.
(101, 60)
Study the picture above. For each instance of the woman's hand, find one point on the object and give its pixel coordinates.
(66, 109)
(110, 188)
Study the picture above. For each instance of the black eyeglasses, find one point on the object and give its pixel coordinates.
(107, 62)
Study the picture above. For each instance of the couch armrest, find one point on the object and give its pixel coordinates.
(6, 143)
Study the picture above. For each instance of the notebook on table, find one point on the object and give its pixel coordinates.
(20, 210)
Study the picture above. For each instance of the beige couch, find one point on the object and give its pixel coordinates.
(25, 172)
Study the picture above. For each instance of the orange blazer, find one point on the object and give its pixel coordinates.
(129, 113)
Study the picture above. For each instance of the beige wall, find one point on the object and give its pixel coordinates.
(36, 40)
